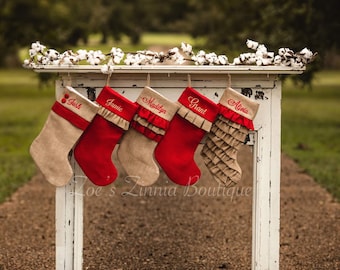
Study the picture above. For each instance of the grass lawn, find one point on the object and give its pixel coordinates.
(23, 110)
(311, 128)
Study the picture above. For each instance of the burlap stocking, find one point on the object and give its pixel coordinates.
(136, 150)
(69, 117)
(226, 136)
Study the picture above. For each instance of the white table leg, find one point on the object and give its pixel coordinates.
(266, 200)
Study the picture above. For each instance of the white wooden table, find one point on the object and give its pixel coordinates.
(260, 83)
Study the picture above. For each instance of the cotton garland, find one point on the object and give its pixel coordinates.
(41, 56)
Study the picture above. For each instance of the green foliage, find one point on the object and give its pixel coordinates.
(311, 128)
(23, 110)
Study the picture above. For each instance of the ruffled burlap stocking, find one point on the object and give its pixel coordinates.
(226, 136)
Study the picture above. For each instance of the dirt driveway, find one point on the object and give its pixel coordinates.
(172, 227)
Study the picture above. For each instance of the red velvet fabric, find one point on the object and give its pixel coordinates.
(70, 116)
(117, 103)
(199, 104)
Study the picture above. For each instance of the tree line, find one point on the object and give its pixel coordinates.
(225, 25)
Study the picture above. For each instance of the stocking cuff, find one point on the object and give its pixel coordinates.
(194, 118)
(157, 104)
(114, 118)
(116, 103)
(199, 104)
(236, 118)
(154, 114)
(145, 123)
(75, 108)
(239, 103)
(151, 118)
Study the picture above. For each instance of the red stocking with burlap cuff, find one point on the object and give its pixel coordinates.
(94, 149)
(175, 152)
(149, 125)
(227, 134)
(70, 115)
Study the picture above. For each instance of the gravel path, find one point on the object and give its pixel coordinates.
(172, 227)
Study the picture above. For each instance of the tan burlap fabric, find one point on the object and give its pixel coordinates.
(226, 137)
(136, 150)
(50, 149)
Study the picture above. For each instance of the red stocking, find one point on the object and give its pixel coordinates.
(175, 152)
(94, 149)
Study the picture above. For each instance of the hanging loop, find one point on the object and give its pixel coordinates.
(108, 79)
(189, 80)
(69, 80)
(148, 80)
(229, 80)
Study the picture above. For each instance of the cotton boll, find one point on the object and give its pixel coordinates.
(187, 48)
(128, 59)
(211, 58)
(286, 52)
(306, 53)
(117, 54)
(55, 62)
(277, 60)
(180, 60)
(267, 61)
(242, 58)
(252, 44)
(154, 60)
(82, 55)
(107, 69)
(96, 61)
(296, 63)
(236, 61)
(201, 53)
(201, 59)
(32, 53)
(35, 46)
(104, 69)
(259, 54)
(52, 54)
(38, 47)
(173, 51)
(117, 59)
(29, 64)
(270, 54)
(26, 62)
(223, 59)
(262, 49)
(259, 62)
(39, 58)
(66, 60)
